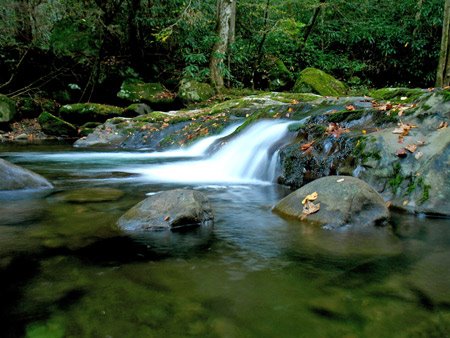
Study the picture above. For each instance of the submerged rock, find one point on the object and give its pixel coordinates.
(312, 80)
(168, 210)
(90, 195)
(344, 201)
(431, 278)
(13, 177)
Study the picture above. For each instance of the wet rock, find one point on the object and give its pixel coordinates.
(173, 209)
(53, 125)
(351, 203)
(13, 177)
(431, 278)
(91, 195)
(193, 91)
(81, 113)
(418, 182)
(7, 109)
(316, 81)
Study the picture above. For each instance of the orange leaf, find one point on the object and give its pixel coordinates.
(310, 208)
(306, 146)
(411, 148)
(350, 107)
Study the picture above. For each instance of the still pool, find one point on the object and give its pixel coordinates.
(67, 271)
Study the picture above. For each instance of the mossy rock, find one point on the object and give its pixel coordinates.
(279, 74)
(53, 125)
(7, 108)
(192, 91)
(403, 95)
(136, 109)
(81, 113)
(134, 90)
(316, 81)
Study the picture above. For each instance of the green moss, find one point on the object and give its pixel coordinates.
(346, 115)
(361, 153)
(445, 94)
(315, 80)
(395, 95)
(7, 108)
(397, 178)
(53, 125)
(193, 91)
(137, 91)
(80, 113)
(381, 118)
(290, 97)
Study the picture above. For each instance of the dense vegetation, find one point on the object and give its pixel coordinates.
(81, 50)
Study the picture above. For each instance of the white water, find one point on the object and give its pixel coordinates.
(248, 158)
(198, 149)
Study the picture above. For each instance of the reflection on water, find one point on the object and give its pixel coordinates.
(67, 271)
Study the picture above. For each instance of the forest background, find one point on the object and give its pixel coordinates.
(82, 50)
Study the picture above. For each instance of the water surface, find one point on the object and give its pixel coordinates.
(67, 271)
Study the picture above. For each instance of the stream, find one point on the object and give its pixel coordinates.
(67, 271)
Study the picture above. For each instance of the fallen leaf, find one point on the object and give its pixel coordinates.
(350, 107)
(405, 202)
(294, 102)
(167, 218)
(340, 180)
(290, 109)
(388, 204)
(306, 146)
(364, 132)
(401, 153)
(411, 148)
(421, 143)
(403, 98)
(310, 197)
(418, 155)
(310, 208)
(443, 124)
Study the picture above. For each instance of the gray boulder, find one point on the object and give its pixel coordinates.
(168, 210)
(13, 177)
(192, 91)
(344, 201)
(7, 108)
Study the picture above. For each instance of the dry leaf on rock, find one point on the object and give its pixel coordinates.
(340, 180)
(443, 124)
(306, 146)
(310, 197)
(411, 148)
(310, 208)
(401, 153)
(350, 107)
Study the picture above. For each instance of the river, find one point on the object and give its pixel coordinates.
(67, 271)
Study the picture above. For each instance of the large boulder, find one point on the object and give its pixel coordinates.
(344, 201)
(53, 125)
(7, 108)
(411, 169)
(154, 94)
(192, 91)
(168, 210)
(13, 177)
(312, 80)
(81, 113)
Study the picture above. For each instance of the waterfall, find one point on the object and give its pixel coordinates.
(250, 157)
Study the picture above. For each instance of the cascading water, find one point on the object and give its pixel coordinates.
(249, 158)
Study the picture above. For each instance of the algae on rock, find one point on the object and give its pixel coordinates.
(317, 81)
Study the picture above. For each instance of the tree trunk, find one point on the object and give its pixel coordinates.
(312, 22)
(226, 11)
(443, 71)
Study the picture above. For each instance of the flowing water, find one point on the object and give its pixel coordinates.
(67, 271)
